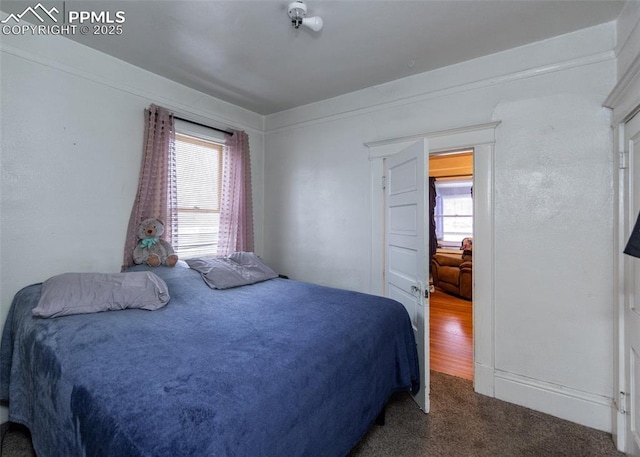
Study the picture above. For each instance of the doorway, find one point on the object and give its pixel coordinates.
(481, 138)
(451, 309)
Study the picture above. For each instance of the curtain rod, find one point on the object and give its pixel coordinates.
(226, 132)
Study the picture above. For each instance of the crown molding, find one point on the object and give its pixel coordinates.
(121, 86)
(441, 92)
(624, 99)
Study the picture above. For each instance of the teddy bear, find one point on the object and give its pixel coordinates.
(151, 249)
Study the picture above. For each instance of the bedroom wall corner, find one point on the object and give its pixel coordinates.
(318, 175)
(71, 142)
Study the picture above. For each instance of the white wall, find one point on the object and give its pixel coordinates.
(552, 209)
(72, 129)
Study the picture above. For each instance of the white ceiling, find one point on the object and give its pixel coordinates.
(247, 52)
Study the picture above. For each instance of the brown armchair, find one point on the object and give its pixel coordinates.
(453, 273)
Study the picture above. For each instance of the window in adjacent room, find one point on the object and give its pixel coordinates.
(199, 176)
(453, 211)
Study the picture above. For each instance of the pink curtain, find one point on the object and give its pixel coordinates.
(236, 210)
(157, 191)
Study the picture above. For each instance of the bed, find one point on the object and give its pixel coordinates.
(275, 368)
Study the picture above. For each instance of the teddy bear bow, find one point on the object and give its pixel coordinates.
(148, 242)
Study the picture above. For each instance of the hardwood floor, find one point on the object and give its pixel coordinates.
(451, 338)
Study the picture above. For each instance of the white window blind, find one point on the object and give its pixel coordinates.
(198, 169)
(453, 212)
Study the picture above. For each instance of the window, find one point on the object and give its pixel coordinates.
(453, 212)
(198, 177)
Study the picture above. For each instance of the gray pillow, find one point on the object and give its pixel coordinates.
(239, 269)
(80, 293)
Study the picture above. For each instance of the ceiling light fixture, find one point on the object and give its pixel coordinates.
(298, 13)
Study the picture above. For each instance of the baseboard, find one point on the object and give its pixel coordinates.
(564, 402)
(483, 379)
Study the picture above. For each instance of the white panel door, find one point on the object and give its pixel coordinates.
(406, 246)
(632, 291)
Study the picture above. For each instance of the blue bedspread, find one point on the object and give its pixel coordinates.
(278, 368)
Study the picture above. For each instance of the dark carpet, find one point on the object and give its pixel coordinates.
(461, 424)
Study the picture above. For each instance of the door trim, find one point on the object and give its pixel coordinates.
(481, 138)
(624, 220)
(624, 101)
